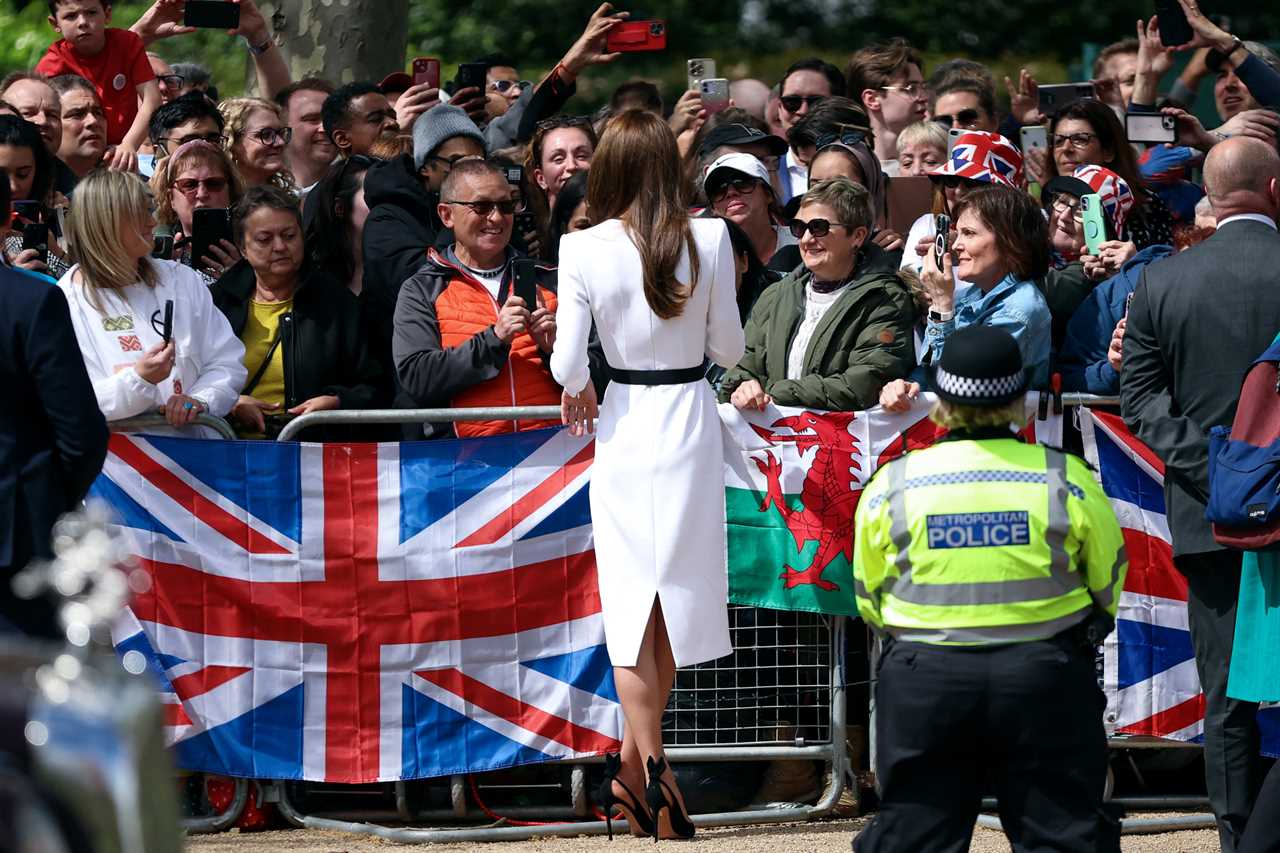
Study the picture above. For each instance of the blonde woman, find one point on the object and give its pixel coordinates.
(197, 175)
(117, 294)
(256, 135)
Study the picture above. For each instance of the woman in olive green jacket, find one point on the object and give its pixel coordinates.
(833, 332)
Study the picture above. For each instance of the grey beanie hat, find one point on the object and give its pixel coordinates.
(437, 125)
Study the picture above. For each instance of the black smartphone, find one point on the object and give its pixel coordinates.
(472, 74)
(941, 237)
(526, 284)
(35, 235)
(166, 330)
(515, 176)
(1058, 96)
(28, 210)
(1174, 29)
(209, 226)
(163, 247)
(211, 14)
(526, 222)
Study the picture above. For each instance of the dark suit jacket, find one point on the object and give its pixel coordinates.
(53, 438)
(1197, 321)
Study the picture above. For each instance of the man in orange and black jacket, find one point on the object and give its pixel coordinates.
(461, 336)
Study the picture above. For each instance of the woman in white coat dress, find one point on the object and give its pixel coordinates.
(660, 288)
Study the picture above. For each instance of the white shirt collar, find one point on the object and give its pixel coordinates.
(1251, 217)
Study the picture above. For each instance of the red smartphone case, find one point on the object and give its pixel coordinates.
(637, 36)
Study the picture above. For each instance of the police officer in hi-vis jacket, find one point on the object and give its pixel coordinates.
(991, 569)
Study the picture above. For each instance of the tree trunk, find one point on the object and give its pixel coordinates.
(340, 40)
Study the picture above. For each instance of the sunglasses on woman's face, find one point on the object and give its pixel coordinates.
(189, 186)
(743, 186)
(964, 118)
(816, 227)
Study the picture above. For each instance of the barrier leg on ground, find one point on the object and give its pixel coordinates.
(224, 821)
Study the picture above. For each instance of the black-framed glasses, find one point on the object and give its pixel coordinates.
(965, 118)
(504, 86)
(1076, 140)
(1068, 204)
(793, 103)
(816, 227)
(272, 135)
(189, 186)
(171, 81)
(743, 186)
(212, 138)
(485, 209)
(557, 122)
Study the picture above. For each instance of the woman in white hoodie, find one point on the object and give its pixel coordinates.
(118, 295)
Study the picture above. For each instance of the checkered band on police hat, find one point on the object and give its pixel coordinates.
(968, 387)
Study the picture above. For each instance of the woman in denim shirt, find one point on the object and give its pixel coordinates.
(1001, 248)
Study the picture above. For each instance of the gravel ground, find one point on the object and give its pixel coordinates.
(830, 837)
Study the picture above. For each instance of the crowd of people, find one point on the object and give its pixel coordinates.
(386, 243)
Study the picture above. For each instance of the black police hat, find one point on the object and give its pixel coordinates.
(741, 134)
(980, 366)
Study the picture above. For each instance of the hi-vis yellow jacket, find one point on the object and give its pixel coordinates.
(974, 542)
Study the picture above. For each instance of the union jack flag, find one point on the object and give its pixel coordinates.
(367, 612)
(1149, 667)
(987, 157)
(1149, 672)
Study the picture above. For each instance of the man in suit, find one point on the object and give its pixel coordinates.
(1197, 321)
(53, 438)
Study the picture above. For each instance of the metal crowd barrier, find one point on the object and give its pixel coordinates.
(142, 423)
(735, 709)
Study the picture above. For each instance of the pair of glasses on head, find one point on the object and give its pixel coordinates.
(816, 227)
(168, 145)
(502, 87)
(190, 186)
(557, 122)
(485, 209)
(272, 135)
(793, 103)
(1075, 140)
(911, 90)
(171, 81)
(964, 118)
(847, 138)
(743, 186)
(1068, 204)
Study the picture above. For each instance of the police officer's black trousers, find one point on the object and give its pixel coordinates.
(1027, 717)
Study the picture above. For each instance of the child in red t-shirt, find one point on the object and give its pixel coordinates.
(115, 61)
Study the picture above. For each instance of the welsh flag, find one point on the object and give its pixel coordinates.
(793, 478)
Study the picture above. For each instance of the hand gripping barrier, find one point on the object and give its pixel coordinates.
(142, 423)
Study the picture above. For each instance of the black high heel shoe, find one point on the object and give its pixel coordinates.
(655, 794)
(608, 799)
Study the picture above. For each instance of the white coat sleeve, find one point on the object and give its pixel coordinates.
(726, 341)
(219, 356)
(569, 363)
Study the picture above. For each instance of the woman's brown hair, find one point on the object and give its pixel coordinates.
(1022, 234)
(636, 176)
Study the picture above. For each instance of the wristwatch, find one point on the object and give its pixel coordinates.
(940, 316)
(1236, 44)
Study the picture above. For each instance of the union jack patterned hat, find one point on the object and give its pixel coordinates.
(985, 157)
(1117, 197)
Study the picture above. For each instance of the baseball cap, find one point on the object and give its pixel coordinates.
(396, 81)
(722, 167)
(737, 133)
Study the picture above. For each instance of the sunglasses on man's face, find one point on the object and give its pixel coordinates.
(502, 87)
(964, 118)
(816, 227)
(485, 209)
(793, 103)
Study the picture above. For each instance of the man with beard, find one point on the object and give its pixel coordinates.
(357, 116)
(310, 151)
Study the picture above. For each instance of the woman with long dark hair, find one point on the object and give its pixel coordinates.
(336, 227)
(661, 286)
